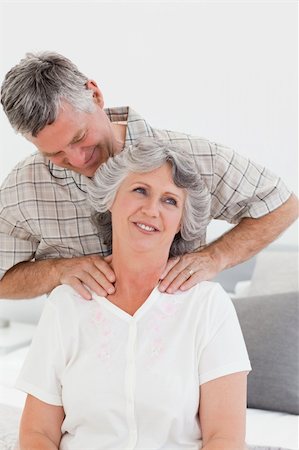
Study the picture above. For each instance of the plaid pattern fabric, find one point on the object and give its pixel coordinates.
(44, 212)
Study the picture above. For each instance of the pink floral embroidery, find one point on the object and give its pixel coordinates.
(102, 335)
(156, 326)
(104, 352)
(171, 307)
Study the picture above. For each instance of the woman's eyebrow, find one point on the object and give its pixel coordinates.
(149, 186)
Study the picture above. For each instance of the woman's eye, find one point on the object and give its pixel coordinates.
(171, 201)
(140, 190)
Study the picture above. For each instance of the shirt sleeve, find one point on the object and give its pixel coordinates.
(224, 351)
(17, 241)
(43, 367)
(242, 188)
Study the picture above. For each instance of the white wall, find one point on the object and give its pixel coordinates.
(223, 70)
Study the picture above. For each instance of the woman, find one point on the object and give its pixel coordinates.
(139, 369)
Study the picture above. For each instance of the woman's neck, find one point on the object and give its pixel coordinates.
(136, 276)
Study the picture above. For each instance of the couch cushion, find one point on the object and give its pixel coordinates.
(275, 272)
(9, 427)
(270, 325)
(228, 278)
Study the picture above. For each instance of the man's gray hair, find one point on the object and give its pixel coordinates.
(146, 155)
(32, 91)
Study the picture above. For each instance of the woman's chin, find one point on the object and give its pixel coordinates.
(150, 248)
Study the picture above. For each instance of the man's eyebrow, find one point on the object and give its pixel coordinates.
(76, 138)
(48, 155)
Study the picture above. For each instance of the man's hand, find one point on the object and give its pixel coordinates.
(29, 279)
(186, 271)
(237, 245)
(87, 273)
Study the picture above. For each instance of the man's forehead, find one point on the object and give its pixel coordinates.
(61, 133)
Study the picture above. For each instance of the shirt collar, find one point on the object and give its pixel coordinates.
(137, 126)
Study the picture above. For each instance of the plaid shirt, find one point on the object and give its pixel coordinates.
(44, 212)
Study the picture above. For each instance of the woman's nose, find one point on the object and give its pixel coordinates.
(151, 207)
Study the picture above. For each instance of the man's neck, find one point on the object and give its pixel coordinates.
(119, 130)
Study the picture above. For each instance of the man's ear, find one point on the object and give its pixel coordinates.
(97, 93)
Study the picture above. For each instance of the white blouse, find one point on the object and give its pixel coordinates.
(132, 382)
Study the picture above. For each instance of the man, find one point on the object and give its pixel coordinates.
(47, 234)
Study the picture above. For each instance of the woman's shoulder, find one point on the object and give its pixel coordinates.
(207, 295)
(64, 297)
(204, 290)
(68, 309)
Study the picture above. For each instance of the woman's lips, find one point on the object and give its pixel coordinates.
(146, 227)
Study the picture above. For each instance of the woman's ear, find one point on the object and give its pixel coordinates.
(179, 227)
(111, 207)
(97, 93)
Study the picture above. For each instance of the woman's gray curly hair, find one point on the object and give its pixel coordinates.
(144, 156)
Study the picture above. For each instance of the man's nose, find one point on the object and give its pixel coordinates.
(78, 156)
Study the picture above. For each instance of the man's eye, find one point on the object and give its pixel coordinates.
(171, 201)
(81, 138)
(58, 154)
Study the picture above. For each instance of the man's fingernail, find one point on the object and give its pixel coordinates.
(111, 290)
(161, 288)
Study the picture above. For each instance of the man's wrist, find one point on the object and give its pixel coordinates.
(54, 270)
(218, 252)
